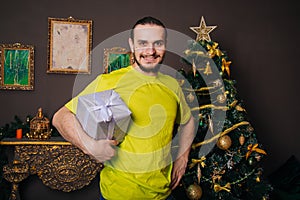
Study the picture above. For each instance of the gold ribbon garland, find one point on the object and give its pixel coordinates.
(210, 106)
(198, 90)
(218, 188)
(253, 147)
(189, 52)
(237, 107)
(220, 134)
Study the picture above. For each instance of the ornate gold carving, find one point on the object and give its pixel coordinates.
(69, 171)
(15, 173)
(34, 155)
(62, 166)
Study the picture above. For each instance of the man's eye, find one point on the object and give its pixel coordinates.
(143, 43)
(159, 43)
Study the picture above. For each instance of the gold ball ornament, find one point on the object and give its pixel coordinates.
(194, 192)
(250, 129)
(224, 142)
(221, 98)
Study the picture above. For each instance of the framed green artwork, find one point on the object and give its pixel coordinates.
(16, 67)
(116, 58)
(69, 46)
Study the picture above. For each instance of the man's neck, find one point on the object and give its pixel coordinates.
(137, 68)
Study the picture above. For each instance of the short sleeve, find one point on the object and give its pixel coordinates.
(184, 111)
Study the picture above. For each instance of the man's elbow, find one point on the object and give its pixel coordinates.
(58, 117)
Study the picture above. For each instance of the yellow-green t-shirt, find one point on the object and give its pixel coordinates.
(142, 166)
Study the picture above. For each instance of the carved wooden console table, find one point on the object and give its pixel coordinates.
(56, 162)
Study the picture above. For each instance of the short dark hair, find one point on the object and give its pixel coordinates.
(148, 20)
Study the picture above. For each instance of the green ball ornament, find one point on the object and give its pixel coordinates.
(194, 192)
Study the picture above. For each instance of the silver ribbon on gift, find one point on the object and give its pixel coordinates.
(104, 112)
(99, 113)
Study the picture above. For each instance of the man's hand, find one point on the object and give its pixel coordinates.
(101, 150)
(69, 127)
(178, 171)
(185, 141)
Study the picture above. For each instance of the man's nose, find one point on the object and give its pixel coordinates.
(150, 49)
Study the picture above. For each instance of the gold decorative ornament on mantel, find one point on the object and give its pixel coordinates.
(39, 127)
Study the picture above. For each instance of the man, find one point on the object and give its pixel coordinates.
(140, 167)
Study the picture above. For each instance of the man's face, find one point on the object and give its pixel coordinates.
(148, 47)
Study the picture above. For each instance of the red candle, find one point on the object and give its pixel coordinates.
(19, 133)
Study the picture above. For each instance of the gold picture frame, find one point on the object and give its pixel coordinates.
(69, 46)
(116, 58)
(16, 67)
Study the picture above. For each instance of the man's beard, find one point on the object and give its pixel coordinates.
(144, 69)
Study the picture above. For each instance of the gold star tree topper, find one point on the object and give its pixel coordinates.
(203, 31)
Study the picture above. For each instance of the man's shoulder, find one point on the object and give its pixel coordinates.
(168, 79)
(170, 82)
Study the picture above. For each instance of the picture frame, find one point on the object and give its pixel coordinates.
(69, 46)
(116, 58)
(16, 67)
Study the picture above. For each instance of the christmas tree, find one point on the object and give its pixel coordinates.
(224, 162)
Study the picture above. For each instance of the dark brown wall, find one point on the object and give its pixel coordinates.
(260, 37)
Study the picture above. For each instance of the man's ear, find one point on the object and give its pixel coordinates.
(130, 41)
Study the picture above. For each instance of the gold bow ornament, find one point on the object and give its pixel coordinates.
(218, 188)
(196, 161)
(254, 147)
(212, 50)
(225, 66)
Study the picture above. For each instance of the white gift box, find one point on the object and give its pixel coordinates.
(103, 115)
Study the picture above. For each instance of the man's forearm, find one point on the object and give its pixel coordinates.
(69, 127)
(186, 138)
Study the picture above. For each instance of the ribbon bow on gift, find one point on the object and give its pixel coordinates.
(103, 115)
(103, 111)
(102, 108)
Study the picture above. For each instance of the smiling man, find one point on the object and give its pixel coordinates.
(141, 166)
(148, 44)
